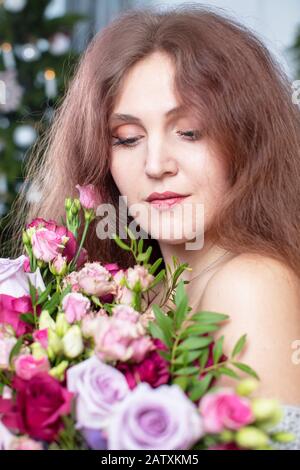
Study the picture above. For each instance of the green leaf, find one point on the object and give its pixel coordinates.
(239, 346)
(33, 293)
(209, 317)
(148, 252)
(156, 332)
(180, 293)
(66, 291)
(181, 311)
(204, 358)
(165, 323)
(44, 295)
(158, 278)
(181, 381)
(120, 243)
(187, 357)
(155, 266)
(199, 389)
(198, 328)
(140, 245)
(187, 371)
(130, 233)
(142, 257)
(27, 318)
(165, 354)
(194, 342)
(245, 368)
(178, 272)
(16, 349)
(218, 350)
(53, 303)
(229, 372)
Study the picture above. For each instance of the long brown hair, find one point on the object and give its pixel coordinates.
(222, 71)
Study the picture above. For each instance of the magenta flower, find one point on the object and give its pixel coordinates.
(10, 310)
(225, 409)
(153, 369)
(89, 196)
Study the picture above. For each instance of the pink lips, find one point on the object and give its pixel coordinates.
(164, 204)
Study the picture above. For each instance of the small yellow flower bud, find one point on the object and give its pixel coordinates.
(283, 437)
(58, 371)
(265, 409)
(246, 387)
(251, 437)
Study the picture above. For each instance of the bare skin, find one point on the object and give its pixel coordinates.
(261, 295)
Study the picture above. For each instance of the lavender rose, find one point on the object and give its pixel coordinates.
(160, 418)
(14, 279)
(99, 388)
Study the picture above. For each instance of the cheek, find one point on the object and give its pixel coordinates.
(125, 176)
(211, 181)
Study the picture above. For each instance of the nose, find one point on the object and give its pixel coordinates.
(160, 160)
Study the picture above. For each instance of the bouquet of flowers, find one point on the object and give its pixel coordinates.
(87, 363)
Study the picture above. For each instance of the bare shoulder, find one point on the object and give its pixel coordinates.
(262, 297)
(247, 274)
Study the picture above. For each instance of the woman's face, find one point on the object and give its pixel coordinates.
(159, 157)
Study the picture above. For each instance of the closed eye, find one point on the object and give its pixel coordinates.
(132, 141)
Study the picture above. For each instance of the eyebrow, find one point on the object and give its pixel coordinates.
(178, 110)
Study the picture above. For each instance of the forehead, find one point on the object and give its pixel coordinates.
(148, 82)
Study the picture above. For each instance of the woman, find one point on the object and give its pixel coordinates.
(230, 146)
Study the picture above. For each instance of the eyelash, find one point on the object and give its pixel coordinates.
(132, 141)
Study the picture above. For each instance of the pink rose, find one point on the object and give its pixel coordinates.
(121, 340)
(27, 366)
(10, 310)
(59, 265)
(75, 306)
(14, 280)
(46, 245)
(139, 276)
(70, 248)
(225, 409)
(125, 312)
(123, 295)
(153, 369)
(94, 279)
(89, 196)
(71, 280)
